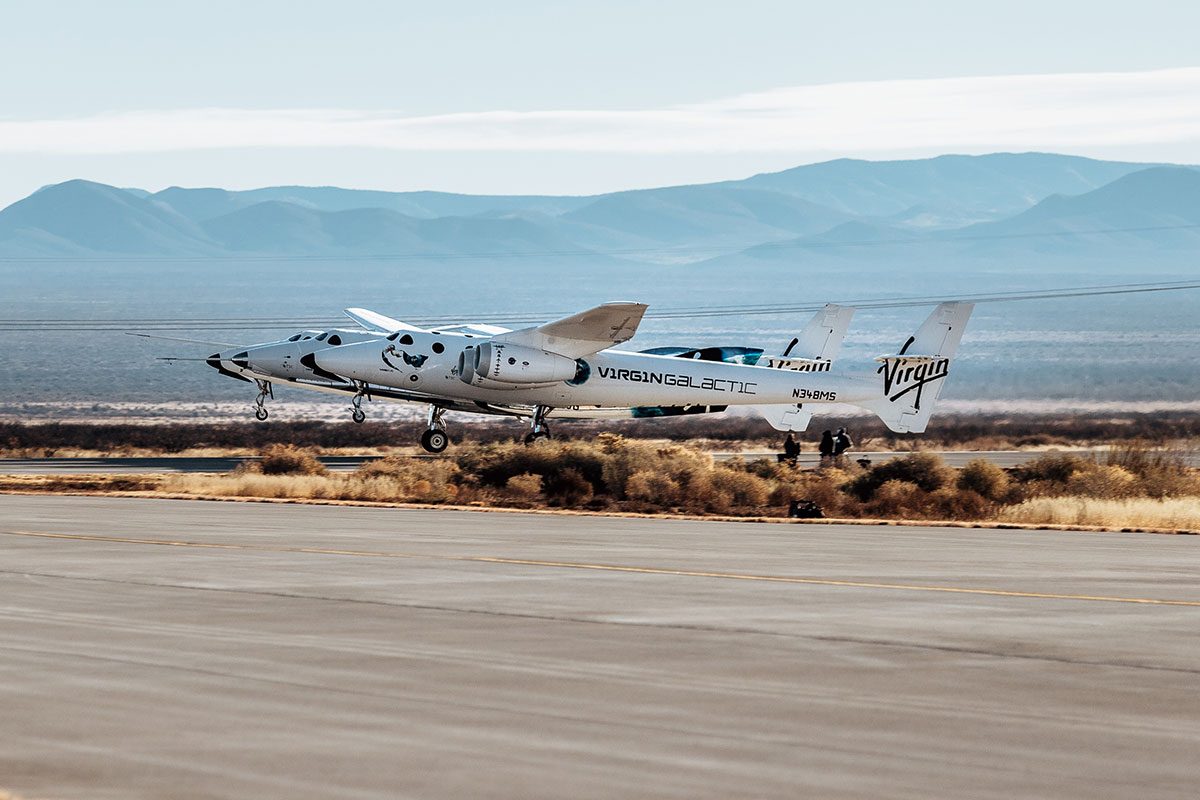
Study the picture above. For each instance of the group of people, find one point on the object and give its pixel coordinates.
(832, 446)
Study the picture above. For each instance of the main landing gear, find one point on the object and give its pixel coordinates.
(538, 429)
(435, 439)
(356, 412)
(260, 407)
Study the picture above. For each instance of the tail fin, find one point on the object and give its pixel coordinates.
(912, 379)
(817, 345)
(812, 351)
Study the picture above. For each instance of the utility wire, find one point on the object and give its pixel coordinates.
(699, 312)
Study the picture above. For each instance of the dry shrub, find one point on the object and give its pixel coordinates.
(1160, 472)
(396, 478)
(924, 470)
(525, 486)
(494, 464)
(1051, 468)
(744, 489)
(1102, 482)
(287, 459)
(568, 488)
(1179, 513)
(984, 479)
(897, 498)
(652, 487)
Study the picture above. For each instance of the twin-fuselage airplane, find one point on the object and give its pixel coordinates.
(569, 369)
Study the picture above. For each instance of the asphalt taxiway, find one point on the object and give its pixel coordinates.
(155, 648)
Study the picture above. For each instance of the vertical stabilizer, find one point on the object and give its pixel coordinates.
(912, 379)
(812, 351)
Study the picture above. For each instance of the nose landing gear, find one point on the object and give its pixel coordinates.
(538, 429)
(435, 439)
(264, 391)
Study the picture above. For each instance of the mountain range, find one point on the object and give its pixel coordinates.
(993, 204)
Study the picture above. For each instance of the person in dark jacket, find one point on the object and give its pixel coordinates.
(841, 443)
(826, 448)
(791, 449)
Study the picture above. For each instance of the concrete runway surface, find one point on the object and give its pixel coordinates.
(118, 465)
(154, 648)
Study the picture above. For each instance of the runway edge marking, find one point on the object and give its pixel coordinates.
(909, 587)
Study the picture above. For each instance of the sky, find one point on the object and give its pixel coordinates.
(574, 98)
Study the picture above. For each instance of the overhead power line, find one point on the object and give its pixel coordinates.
(160, 324)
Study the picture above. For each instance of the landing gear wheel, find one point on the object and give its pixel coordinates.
(434, 441)
(358, 416)
(261, 414)
(538, 427)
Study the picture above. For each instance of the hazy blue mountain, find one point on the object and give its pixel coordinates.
(983, 187)
(277, 227)
(705, 214)
(1145, 206)
(204, 204)
(80, 216)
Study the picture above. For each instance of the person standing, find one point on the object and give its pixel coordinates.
(841, 443)
(791, 449)
(826, 447)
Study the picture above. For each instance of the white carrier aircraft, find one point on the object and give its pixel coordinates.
(568, 369)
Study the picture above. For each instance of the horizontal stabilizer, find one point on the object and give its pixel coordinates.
(785, 417)
(581, 334)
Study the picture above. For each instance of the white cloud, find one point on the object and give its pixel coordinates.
(1060, 111)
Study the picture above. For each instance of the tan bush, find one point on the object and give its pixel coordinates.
(287, 459)
(984, 478)
(652, 487)
(925, 470)
(525, 486)
(1103, 482)
(744, 489)
(896, 498)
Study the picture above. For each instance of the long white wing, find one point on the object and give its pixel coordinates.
(584, 333)
(379, 323)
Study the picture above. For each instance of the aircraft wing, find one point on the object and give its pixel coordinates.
(581, 334)
(373, 321)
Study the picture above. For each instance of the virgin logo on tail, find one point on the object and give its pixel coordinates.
(903, 375)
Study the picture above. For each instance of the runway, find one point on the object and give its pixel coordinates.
(154, 648)
(134, 465)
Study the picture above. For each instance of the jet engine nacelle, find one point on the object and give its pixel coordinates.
(512, 364)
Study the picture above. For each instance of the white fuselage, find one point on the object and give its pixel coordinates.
(428, 363)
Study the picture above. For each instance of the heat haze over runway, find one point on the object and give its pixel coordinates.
(154, 647)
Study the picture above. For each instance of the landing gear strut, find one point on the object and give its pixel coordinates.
(264, 391)
(435, 440)
(538, 429)
(356, 412)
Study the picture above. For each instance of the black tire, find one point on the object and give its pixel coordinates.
(435, 441)
(358, 416)
(261, 414)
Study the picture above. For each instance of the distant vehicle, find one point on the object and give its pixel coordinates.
(568, 369)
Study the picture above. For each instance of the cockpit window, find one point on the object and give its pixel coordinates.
(335, 340)
(321, 338)
(295, 338)
(393, 336)
(406, 339)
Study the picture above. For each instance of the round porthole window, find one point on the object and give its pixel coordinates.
(438, 347)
